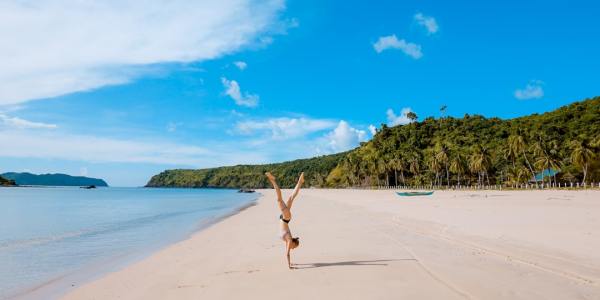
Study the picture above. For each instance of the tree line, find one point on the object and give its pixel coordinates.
(475, 150)
(444, 151)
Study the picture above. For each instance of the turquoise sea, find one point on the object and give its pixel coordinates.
(59, 235)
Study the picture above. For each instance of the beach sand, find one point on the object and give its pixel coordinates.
(358, 244)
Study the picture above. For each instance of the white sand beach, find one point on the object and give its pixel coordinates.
(358, 244)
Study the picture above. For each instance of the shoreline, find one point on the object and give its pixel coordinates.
(358, 244)
(59, 286)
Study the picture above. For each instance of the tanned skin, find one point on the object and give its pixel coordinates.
(285, 207)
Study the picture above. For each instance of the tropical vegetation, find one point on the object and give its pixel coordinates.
(251, 176)
(445, 151)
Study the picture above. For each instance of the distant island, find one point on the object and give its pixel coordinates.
(472, 150)
(52, 179)
(6, 182)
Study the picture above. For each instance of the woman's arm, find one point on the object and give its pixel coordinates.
(288, 248)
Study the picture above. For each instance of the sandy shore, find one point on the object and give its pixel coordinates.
(375, 245)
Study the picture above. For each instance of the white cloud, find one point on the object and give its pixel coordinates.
(18, 123)
(392, 42)
(51, 48)
(533, 90)
(372, 130)
(232, 89)
(345, 137)
(240, 65)
(86, 148)
(428, 22)
(284, 128)
(402, 119)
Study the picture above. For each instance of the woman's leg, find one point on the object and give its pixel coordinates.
(296, 191)
(277, 191)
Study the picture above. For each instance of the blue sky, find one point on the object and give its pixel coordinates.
(208, 83)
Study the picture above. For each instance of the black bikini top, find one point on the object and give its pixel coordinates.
(284, 220)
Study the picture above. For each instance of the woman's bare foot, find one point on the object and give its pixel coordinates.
(301, 178)
(270, 176)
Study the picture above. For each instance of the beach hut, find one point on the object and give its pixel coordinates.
(539, 177)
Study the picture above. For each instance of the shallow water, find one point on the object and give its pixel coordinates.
(47, 233)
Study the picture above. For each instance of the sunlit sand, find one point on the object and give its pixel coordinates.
(360, 244)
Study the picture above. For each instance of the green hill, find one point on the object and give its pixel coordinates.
(250, 176)
(52, 179)
(468, 150)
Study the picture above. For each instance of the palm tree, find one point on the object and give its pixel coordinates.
(442, 155)
(517, 143)
(435, 166)
(546, 154)
(475, 166)
(351, 168)
(582, 155)
(382, 168)
(510, 153)
(517, 175)
(414, 163)
(457, 165)
(412, 116)
(480, 162)
(399, 164)
(443, 109)
(568, 176)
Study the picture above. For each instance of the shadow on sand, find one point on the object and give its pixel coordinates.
(378, 262)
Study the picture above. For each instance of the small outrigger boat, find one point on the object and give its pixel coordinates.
(414, 193)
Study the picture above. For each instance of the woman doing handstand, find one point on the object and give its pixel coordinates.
(286, 215)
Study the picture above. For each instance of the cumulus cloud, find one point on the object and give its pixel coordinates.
(402, 119)
(284, 128)
(18, 123)
(392, 42)
(345, 137)
(55, 47)
(427, 22)
(372, 130)
(240, 65)
(232, 89)
(95, 149)
(533, 90)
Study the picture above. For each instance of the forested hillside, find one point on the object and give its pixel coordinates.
(52, 179)
(444, 151)
(474, 149)
(251, 176)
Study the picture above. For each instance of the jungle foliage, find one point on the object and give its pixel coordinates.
(472, 150)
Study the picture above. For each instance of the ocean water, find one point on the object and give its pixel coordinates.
(48, 234)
